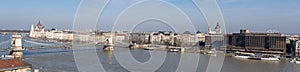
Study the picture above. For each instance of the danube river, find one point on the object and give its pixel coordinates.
(62, 60)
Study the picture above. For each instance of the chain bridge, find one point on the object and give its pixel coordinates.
(30, 44)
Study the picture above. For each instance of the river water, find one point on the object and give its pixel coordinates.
(62, 60)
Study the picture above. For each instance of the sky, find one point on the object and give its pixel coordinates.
(256, 15)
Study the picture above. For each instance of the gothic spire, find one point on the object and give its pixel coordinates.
(39, 24)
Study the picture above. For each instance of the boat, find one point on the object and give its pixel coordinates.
(173, 50)
(270, 57)
(212, 51)
(149, 47)
(295, 60)
(255, 57)
(243, 55)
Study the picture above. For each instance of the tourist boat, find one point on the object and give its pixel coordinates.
(255, 57)
(270, 57)
(243, 55)
(212, 51)
(175, 49)
(149, 47)
(295, 60)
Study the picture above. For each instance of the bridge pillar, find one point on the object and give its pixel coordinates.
(109, 45)
(16, 46)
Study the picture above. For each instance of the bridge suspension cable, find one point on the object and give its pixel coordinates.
(37, 43)
(5, 45)
(29, 45)
(5, 42)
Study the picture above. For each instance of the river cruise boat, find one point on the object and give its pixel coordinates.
(270, 57)
(244, 55)
(175, 49)
(151, 47)
(295, 60)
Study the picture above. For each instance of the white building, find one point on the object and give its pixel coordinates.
(214, 38)
(200, 36)
(54, 34)
(120, 37)
(217, 30)
(189, 39)
(162, 36)
(297, 48)
(38, 31)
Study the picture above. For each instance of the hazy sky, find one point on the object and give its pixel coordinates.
(256, 15)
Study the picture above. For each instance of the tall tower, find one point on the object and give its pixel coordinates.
(109, 44)
(16, 46)
(218, 29)
(31, 34)
(209, 30)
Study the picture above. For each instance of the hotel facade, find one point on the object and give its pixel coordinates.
(256, 41)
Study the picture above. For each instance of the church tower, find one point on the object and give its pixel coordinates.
(209, 30)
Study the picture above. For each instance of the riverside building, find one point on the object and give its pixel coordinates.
(39, 32)
(257, 42)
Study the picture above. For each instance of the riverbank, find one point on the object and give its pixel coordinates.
(63, 60)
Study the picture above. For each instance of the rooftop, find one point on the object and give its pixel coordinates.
(12, 63)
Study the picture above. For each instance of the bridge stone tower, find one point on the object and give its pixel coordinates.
(16, 46)
(109, 44)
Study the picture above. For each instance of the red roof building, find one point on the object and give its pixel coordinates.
(14, 65)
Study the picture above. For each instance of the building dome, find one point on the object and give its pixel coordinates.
(187, 32)
(218, 26)
(218, 29)
(39, 25)
(198, 32)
